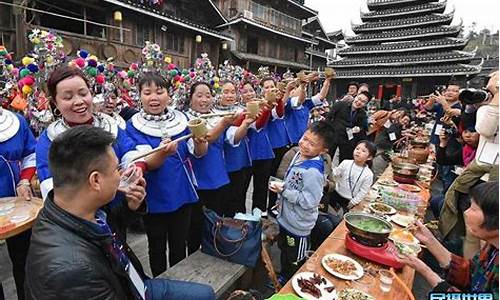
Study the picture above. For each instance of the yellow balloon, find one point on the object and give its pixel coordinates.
(216, 79)
(27, 89)
(49, 59)
(93, 57)
(168, 59)
(36, 41)
(216, 85)
(27, 60)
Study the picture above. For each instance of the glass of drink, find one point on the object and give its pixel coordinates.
(129, 173)
(386, 278)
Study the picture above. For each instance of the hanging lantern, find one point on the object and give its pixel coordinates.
(198, 38)
(117, 16)
(224, 46)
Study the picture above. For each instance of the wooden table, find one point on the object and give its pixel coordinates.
(21, 207)
(335, 244)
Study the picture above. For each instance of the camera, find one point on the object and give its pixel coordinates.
(473, 96)
(440, 88)
(450, 130)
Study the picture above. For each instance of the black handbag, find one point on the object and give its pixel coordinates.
(237, 241)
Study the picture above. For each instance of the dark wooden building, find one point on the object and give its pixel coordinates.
(318, 53)
(119, 28)
(404, 48)
(270, 33)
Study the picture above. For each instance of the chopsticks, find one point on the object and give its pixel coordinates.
(159, 148)
(405, 288)
(224, 114)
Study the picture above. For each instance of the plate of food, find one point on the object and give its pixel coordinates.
(402, 220)
(353, 294)
(410, 188)
(382, 208)
(403, 236)
(342, 266)
(407, 249)
(312, 286)
(388, 182)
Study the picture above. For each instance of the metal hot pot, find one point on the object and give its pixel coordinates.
(364, 236)
(405, 172)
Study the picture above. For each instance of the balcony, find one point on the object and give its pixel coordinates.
(265, 15)
(315, 52)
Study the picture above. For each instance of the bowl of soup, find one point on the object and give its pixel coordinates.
(368, 229)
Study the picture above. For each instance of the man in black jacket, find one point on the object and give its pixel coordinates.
(350, 122)
(73, 254)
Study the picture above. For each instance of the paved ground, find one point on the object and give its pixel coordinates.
(420, 287)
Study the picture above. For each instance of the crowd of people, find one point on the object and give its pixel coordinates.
(92, 184)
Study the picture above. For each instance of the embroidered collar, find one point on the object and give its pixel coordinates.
(162, 117)
(225, 107)
(9, 125)
(100, 120)
(170, 124)
(232, 108)
(119, 121)
(197, 114)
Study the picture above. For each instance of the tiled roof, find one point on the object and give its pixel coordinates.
(268, 60)
(417, 71)
(404, 23)
(446, 43)
(403, 59)
(404, 11)
(182, 22)
(404, 34)
(381, 4)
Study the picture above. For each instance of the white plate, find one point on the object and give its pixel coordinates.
(391, 212)
(402, 220)
(324, 294)
(355, 291)
(414, 241)
(359, 269)
(388, 182)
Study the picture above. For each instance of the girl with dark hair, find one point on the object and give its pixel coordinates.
(71, 101)
(236, 152)
(354, 177)
(109, 107)
(260, 147)
(213, 181)
(17, 162)
(170, 186)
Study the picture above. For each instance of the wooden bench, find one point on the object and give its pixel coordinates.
(199, 267)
